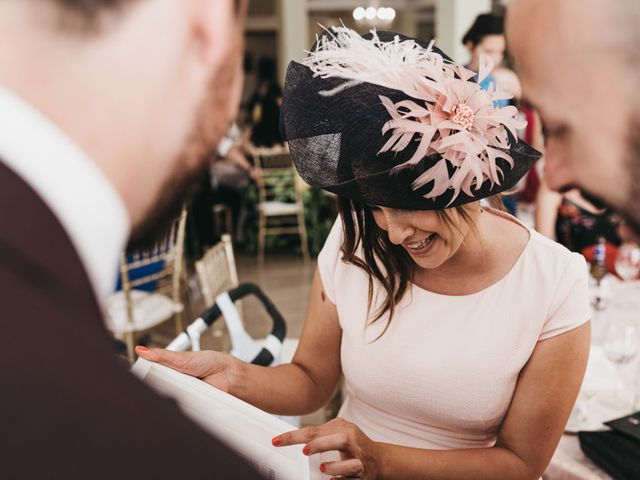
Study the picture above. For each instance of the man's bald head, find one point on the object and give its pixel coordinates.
(579, 62)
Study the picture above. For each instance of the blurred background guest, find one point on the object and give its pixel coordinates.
(486, 38)
(225, 183)
(573, 221)
(264, 106)
(231, 174)
(576, 223)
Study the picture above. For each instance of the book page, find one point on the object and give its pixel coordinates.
(243, 427)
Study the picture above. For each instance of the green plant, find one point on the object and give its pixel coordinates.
(319, 213)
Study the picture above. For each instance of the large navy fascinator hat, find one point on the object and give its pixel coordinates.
(392, 121)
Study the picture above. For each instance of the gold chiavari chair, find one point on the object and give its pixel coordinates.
(277, 216)
(217, 273)
(151, 288)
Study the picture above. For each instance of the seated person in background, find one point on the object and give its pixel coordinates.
(231, 173)
(225, 182)
(462, 335)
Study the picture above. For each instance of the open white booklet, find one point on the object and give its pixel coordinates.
(243, 427)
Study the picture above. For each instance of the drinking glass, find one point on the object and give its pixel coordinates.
(621, 344)
(628, 261)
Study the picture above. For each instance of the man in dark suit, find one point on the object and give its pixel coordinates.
(105, 106)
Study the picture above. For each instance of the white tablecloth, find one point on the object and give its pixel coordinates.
(568, 462)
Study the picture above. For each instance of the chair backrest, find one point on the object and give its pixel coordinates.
(157, 268)
(280, 181)
(217, 270)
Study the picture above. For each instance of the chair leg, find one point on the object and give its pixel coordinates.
(262, 233)
(228, 216)
(130, 347)
(179, 324)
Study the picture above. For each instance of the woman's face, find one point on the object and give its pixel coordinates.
(491, 45)
(423, 234)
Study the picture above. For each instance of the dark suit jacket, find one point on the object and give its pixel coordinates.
(68, 408)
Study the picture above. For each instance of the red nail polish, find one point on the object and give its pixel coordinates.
(306, 450)
(142, 348)
(276, 441)
(322, 467)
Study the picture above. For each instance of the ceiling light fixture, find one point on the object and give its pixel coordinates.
(373, 15)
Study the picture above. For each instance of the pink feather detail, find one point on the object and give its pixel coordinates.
(464, 126)
(450, 115)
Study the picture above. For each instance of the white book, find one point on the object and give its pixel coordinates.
(243, 427)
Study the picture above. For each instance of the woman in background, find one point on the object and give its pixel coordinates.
(485, 38)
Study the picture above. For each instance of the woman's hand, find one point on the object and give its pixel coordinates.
(215, 368)
(359, 454)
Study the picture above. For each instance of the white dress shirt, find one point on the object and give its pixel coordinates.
(70, 183)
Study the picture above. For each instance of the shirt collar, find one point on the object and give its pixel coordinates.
(70, 183)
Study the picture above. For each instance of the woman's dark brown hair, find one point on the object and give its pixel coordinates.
(388, 264)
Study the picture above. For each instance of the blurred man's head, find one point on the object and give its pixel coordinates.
(145, 87)
(485, 37)
(579, 62)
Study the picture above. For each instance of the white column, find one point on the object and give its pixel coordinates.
(453, 19)
(293, 33)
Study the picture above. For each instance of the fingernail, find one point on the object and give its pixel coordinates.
(306, 450)
(276, 441)
(142, 348)
(322, 467)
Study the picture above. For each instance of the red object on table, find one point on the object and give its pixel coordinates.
(611, 251)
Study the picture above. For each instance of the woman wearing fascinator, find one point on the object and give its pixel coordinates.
(462, 335)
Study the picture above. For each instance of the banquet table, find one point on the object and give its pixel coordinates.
(568, 462)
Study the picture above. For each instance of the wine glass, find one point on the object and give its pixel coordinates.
(621, 343)
(628, 261)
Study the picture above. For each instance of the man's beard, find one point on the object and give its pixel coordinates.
(180, 187)
(176, 194)
(630, 209)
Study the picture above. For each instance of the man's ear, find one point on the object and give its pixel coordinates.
(213, 26)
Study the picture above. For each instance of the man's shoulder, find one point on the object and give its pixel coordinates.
(73, 408)
(32, 238)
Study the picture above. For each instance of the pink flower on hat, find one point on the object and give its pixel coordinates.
(463, 125)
